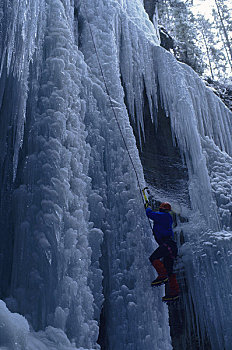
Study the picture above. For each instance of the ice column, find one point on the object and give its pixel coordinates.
(52, 254)
(133, 314)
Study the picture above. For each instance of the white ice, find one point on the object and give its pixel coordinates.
(77, 212)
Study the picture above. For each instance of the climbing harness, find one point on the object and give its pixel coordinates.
(112, 107)
(170, 251)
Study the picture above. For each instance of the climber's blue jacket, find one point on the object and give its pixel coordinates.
(162, 228)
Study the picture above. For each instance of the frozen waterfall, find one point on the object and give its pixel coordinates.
(75, 242)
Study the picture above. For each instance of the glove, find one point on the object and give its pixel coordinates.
(146, 205)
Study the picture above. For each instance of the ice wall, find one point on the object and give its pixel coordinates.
(201, 128)
(68, 186)
(74, 240)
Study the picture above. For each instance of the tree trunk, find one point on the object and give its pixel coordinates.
(224, 30)
(208, 53)
(224, 43)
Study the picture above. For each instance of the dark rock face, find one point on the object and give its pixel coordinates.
(162, 164)
(165, 170)
(166, 40)
(221, 90)
(160, 157)
(183, 328)
(150, 6)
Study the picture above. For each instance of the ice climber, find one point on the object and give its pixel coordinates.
(167, 250)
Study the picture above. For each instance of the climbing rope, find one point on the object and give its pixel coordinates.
(112, 106)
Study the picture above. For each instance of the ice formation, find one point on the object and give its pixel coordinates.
(74, 238)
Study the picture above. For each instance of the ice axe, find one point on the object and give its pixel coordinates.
(145, 196)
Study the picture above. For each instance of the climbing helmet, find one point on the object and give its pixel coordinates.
(165, 206)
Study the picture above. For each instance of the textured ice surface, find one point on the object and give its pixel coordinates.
(71, 212)
(13, 329)
(202, 126)
(15, 334)
(71, 175)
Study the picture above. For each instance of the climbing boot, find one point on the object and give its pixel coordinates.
(173, 290)
(162, 273)
(159, 281)
(169, 298)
